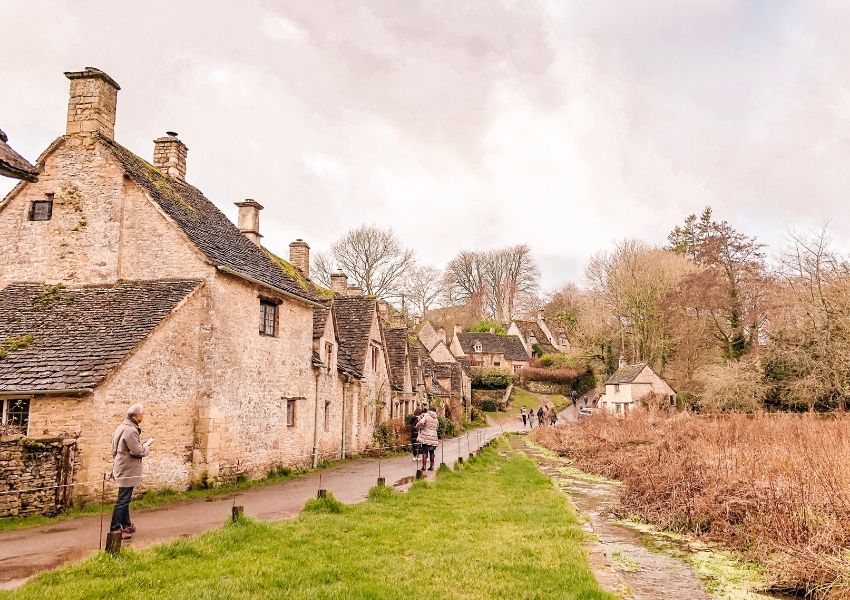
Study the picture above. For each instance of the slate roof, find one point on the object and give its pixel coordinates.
(79, 335)
(353, 317)
(509, 345)
(397, 358)
(320, 319)
(206, 226)
(527, 328)
(13, 164)
(626, 374)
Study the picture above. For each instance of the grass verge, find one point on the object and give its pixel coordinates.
(495, 529)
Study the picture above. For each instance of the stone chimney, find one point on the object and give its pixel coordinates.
(169, 155)
(540, 315)
(623, 361)
(339, 283)
(457, 329)
(354, 290)
(299, 255)
(92, 103)
(249, 219)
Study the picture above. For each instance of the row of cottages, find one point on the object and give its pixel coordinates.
(490, 350)
(632, 383)
(440, 375)
(122, 283)
(540, 336)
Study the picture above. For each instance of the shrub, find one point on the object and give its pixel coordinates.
(447, 428)
(491, 378)
(489, 405)
(392, 433)
(559, 376)
(485, 325)
(476, 416)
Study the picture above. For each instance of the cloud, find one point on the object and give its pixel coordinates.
(474, 124)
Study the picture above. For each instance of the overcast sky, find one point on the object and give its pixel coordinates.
(566, 124)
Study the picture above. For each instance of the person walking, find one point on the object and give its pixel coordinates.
(553, 416)
(414, 433)
(573, 397)
(427, 436)
(127, 453)
(541, 416)
(523, 412)
(585, 400)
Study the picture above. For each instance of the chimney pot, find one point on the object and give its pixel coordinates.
(92, 103)
(299, 255)
(339, 283)
(169, 155)
(249, 219)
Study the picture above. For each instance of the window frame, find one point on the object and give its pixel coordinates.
(6, 411)
(46, 201)
(375, 358)
(477, 348)
(267, 304)
(329, 350)
(291, 408)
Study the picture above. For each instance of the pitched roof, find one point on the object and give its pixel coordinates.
(206, 226)
(397, 357)
(353, 317)
(509, 345)
(78, 335)
(320, 319)
(13, 164)
(529, 328)
(626, 374)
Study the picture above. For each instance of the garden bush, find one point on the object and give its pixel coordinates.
(491, 378)
(489, 405)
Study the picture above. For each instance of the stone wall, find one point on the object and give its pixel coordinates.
(542, 387)
(28, 463)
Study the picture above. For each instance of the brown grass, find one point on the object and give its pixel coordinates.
(774, 486)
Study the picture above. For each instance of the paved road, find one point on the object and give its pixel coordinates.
(26, 552)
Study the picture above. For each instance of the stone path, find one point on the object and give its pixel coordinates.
(25, 552)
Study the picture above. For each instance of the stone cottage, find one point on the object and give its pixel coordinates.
(540, 336)
(490, 350)
(123, 283)
(632, 383)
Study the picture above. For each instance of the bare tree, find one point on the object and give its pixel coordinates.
(423, 285)
(373, 258)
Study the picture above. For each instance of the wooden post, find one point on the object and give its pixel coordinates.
(419, 474)
(382, 481)
(113, 542)
(322, 493)
(236, 513)
(460, 460)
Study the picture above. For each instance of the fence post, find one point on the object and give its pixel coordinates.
(236, 512)
(102, 502)
(113, 542)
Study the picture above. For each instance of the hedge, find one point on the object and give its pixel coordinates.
(491, 378)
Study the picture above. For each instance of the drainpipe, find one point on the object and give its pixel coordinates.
(316, 425)
(344, 390)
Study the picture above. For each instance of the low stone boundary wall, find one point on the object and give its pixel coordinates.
(28, 463)
(542, 387)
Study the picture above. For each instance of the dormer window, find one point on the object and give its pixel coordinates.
(532, 339)
(41, 210)
(563, 340)
(477, 347)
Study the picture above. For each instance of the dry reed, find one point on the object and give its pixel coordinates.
(774, 486)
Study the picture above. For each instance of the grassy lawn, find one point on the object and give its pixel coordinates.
(496, 528)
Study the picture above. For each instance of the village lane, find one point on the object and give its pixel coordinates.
(26, 552)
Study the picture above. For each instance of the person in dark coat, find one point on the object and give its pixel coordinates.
(541, 416)
(127, 453)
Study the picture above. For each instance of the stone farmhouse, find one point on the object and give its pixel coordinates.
(490, 350)
(121, 282)
(440, 374)
(631, 383)
(541, 336)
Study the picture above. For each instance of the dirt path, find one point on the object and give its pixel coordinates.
(25, 552)
(619, 557)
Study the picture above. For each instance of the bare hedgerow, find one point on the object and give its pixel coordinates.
(774, 486)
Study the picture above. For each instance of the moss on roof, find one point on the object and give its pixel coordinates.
(296, 274)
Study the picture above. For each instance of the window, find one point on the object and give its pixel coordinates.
(327, 416)
(563, 340)
(268, 317)
(497, 364)
(616, 388)
(374, 358)
(15, 413)
(42, 210)
(290, 413)
(477, 347)
(517, 368)
(329, 353)
(532, 339)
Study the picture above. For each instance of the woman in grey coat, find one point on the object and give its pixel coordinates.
(427, 427)
(127, 453)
